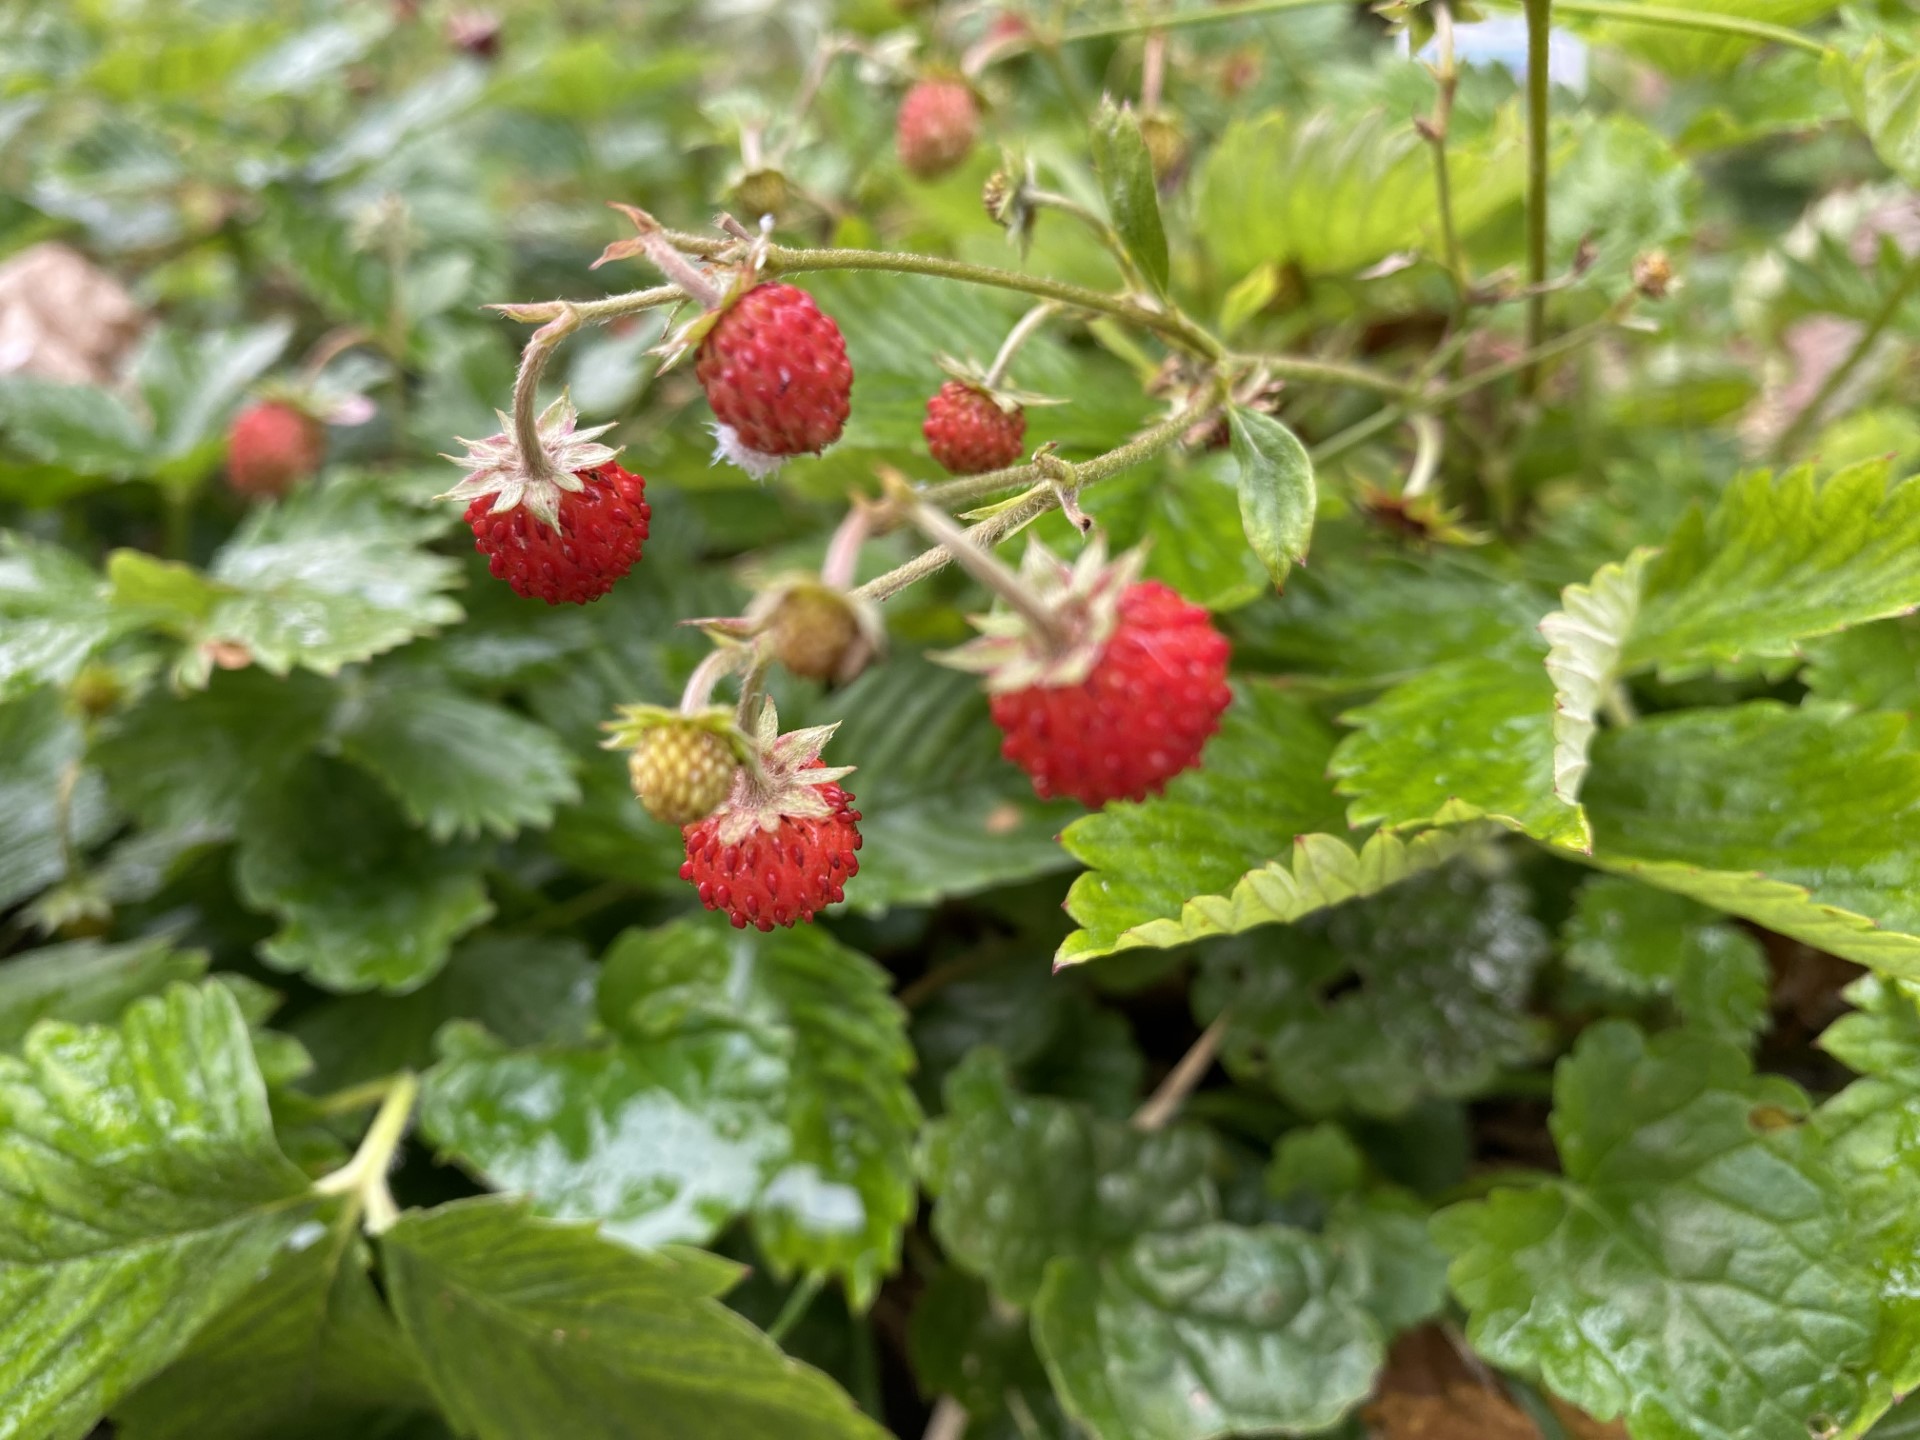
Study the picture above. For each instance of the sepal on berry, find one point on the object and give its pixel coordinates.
(780, 781)
(1008, 398)
(1081, 599)
(496, 467)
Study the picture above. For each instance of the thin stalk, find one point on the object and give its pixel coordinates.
(570, 912)
(1180, 20)
(1889, 310)
(1539, 31)
(1165, 1102)
(1028, 326)
(526, 394)
(355, 1097)
(1102, 231)
(843, 550)
(1672, 19)
(1446, 79)
(363, 1179)
(798, 1300)
(990, 571)
(717, 665)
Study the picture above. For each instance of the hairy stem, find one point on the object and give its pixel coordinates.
(1029, 326)
(1539, 31)
(1446, 79)
(526, 393)
(718, 664)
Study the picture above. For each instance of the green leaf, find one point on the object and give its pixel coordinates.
(141, 1191)
(1261, 784)
(1691, 1269)
(941, 813)
(1227, 1330)
(1882, 86)
(86, 982)
(80, 428)
(1651, 942)
(1187, 510)
(53, 614)
(309, 1353)
(1022, 1180)
(1467, 739)
(1804, 820)
(331, 576)
(1876, 667)
(457, 765)
(527, 1328)
(525, 989)
(363, 900)
(40, 748)
(1429, 985)
(1872, 1129)
(1333, 192)
(1585, 638)
(746, 1074)
(1133, 200)
(1681, 51)
(1277, 496)
(195, 759)
(192, 381)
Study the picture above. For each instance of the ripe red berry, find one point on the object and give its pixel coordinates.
(938, 124)
(602, 528)
(968, 433)
(776, 374)
(271, 447)
(1141, 715)
(767, 877)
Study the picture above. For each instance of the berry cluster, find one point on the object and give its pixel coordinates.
(1103, 685)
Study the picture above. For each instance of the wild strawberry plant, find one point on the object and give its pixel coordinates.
(1152, 721)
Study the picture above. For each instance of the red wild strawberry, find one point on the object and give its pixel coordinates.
(271, 447)
(781, 846)
(565, 535)
(938, 124)
(969, 433)
(1121, 698)
(776, 374)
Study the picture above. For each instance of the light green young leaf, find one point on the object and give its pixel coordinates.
(458, 765)
(39, 743)
(1442, 967)
(1277, 494)
(1467, 739)
(53, 614)
(1212, 1331)
(86, 982)
(1653, 942)
(333, 575)
(1133, 200)
(141, 1192)
(363, 900)
(1882, 86)
(527, 1328)
(1872, 1129)
(745, 1074)
(309, 1353)
(1691, 1271)
(1805, 820)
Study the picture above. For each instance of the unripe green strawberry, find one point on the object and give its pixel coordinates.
(681, 773)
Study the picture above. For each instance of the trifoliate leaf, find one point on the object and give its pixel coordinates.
(941, 813)
(1429, 985)
(1133, 199)
(1691, 1270)
(363, 900)
(523, 989)
(1021, 1180)
(1872, 1129)
(141, 1192)
(457, 765)
(527, 1328)
(1805, 820)
(308, 1353)
(1277, 494)
(1467, 739)
(194, 759)
(86, 982)
(745, 1074)
(332, 575)
(1652, 942)
(53, 614)
(1212, 1331)
(48, 803)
